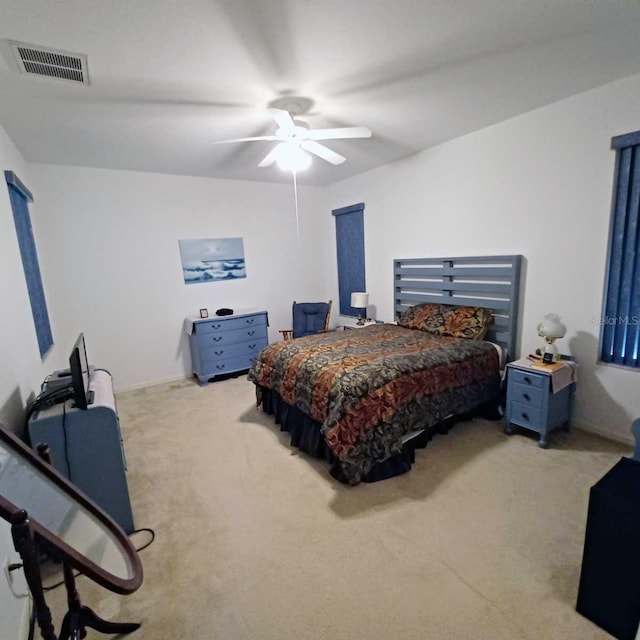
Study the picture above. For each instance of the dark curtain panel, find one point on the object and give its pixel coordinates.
(621, 318)
(20, 196)
(350, 249)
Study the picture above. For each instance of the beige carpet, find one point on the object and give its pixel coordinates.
(482, 539)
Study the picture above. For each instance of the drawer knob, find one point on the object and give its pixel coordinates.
(216, 326)
(217, 338)
(250, 333)
(252, 346)
(250, 320)
(525, 416)
(527, 379)
(526, 396)
(219, 353)
(219, 366)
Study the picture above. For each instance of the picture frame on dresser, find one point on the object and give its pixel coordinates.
(204, 313)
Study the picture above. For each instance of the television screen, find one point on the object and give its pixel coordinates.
(80, 378)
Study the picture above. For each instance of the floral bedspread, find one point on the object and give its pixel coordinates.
(369, 387)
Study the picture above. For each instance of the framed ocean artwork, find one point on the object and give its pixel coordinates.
(212, 259)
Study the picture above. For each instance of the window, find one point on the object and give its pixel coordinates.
(350, 249)
(620, 334)
(20, 197)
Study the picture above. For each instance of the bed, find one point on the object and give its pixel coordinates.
(365, 399)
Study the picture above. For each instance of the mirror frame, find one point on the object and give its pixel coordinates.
(76, 559)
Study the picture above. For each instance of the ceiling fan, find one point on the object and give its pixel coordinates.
(296, 139)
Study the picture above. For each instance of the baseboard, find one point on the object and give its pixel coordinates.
(606, 433)
(153, 383)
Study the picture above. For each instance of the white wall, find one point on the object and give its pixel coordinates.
(539, 185)
(112, 259)
(21, 369)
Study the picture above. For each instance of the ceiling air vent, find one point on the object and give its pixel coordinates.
(50, 63)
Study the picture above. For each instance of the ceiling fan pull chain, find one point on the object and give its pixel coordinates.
(295, 192)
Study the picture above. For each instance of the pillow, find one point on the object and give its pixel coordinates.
(467, 322)
(424, 317)
(447, 320)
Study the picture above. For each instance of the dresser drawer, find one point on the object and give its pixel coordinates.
(228, 365)
(528, 378)
(222, 351)
(219, 325)
(527, 416)
(526, 394)
(223, 338)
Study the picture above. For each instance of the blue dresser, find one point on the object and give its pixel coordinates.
(226, 344)
(532, 404)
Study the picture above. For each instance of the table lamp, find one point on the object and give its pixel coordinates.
(551, 328)
(360, 300)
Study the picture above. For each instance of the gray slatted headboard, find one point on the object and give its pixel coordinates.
(483, 281)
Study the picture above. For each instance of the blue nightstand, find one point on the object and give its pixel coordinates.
(532, 404)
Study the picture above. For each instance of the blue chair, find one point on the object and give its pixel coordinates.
(308, 318)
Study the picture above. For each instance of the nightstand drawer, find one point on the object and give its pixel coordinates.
(530, 379)
(526, 394)
(526, 416)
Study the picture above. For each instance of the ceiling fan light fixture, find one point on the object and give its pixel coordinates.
(298, 143)
(292, 158)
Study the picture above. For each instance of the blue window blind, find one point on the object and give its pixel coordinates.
(350, 249)
(20, 197)
(620, 334)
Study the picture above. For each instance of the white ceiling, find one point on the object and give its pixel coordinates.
(168, 77)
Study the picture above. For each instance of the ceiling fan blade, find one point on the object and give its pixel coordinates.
(271, 157)
(244, 139)
(283, 119)
(341, 132)
(323, 152)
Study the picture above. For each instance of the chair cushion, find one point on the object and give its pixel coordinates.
(309, 318)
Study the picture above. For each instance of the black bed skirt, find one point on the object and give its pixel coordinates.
(305, 435)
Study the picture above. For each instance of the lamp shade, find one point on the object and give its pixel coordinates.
(359, 300)
(552, 327)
